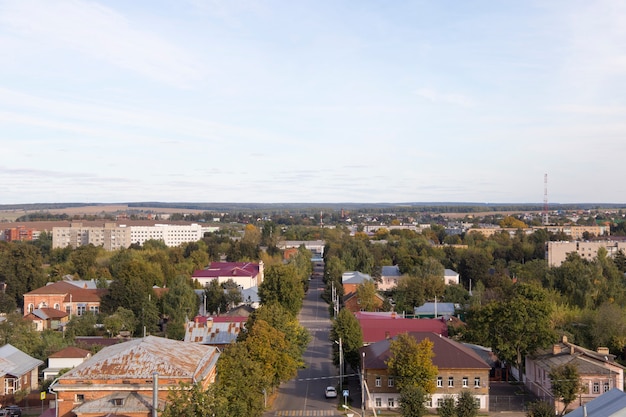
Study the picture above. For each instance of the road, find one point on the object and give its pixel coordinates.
(304, 396)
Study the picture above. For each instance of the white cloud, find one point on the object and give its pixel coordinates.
(100, 33)
(445, 98)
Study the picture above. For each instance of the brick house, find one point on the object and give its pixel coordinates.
(244, 274)
(122, 378)
(460, 368)
(352, 302)
(18, 371)
(64, 296)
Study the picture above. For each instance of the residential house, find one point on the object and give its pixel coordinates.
(352, 279)
(599, 373)
(214, 331)
(124, 377)
(66, 358)
(436, 310)
(389, 276)
(609, 404)
(459, 368)
(352, 302)
(451, 277)
(63, 296)
(47, 318)
(244, 274)
(377, 328)
(18, 371)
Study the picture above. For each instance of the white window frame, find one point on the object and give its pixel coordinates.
(477, 382)
(378, 382)
(450, 382)
(465, 382)
(439, 382)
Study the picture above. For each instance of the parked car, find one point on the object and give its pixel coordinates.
(11, 411)
(331, 392)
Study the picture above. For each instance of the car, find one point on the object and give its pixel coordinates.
(11, 410)
(330, 392)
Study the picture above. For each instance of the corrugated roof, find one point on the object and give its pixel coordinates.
(65, 288)
(48, 313)
(22, 363)
(228, 269)
(141, 358)
(390, 271)
(449, 354)
(377, 329)
(71, 352)
(354, 277)
(216, 331)
(117, 403)
(610, 404)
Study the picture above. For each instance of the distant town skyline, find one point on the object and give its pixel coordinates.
(312, 101)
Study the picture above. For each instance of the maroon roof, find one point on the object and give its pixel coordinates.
(449, 354)
(65, 288)
(71, 352)
(228, 269)
(377, 329)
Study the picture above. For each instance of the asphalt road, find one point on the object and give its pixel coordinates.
(304, 395)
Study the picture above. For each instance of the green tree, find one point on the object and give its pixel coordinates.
(408, 294)
(180, 304)
(565, 382)
(83, 325)
(21, 269)
(447, 408)
(466, 405)
(194, 401)
(540, 409)
(411, 363)
(7, 303)
(282, 285)
(513, 327)
(367, 296)
(20, 333)
(412, 399)
(122, 319)
(346, 327)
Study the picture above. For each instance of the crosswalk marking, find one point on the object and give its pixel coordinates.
(302, 413)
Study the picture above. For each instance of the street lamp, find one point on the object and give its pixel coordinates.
(340, 365)
(349, 414)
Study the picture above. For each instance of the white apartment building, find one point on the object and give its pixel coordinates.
(112, 236)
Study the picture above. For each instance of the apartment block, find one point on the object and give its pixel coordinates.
(558, 251)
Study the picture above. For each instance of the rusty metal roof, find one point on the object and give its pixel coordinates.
(141, 358)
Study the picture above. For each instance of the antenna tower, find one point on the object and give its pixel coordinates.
(545, 217)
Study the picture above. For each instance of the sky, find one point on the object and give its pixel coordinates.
(323, 101)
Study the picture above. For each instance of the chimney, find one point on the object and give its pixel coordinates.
(564, 339)
(603, 350)
(556, 349)
(155, 394)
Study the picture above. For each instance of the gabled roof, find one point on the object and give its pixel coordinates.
(228, 269)
(71, 352)
(610, 404)
(377, 329)
(48, 313)
(129, 402)
(354, 277)
(141, 358)
(587, 361)
(390, 271)
(442, 309)
(20, 361)
(449, 273)
(449, 354)
(214, 331)
(69, 291)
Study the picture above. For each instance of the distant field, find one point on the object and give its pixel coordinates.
(12, 215)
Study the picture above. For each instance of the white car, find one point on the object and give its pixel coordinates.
(331, 392)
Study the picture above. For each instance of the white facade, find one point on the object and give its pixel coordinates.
(171, 234)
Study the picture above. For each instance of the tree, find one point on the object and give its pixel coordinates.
(193, 401)
(180, 304)
(21, 269)
(408, 294)
(412, 400)
(122, 319)
(565, 382)
(282, 285)
(466, 405)
(447, 407)
(411, 363)
(513, 327)
(346, 327)
(367, 295)
(540, 409)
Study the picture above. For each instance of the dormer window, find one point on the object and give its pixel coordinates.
(118, 402)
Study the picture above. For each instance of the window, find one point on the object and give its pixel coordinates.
(80, 398)
(378, 382)
(596, 387)
(31, 307)
(477, 382)
(118, 401)
(68, 309)
(379, 402)
(57, 306)
(94, 309)
(477, 402)
(465, 382)
(439, 382)
(439, 402)
(429, 402)
(80, 310)
(606, 386)
(390, 382)
(450, 381)
(391, 402)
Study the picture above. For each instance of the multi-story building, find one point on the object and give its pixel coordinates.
(459, 368)
(558, 251)
(64, 297)
(19, 233)
(112, 236)
(245, 274)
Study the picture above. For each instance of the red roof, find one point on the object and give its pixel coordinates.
(71, 352)
(228, 269)
(377, 329)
